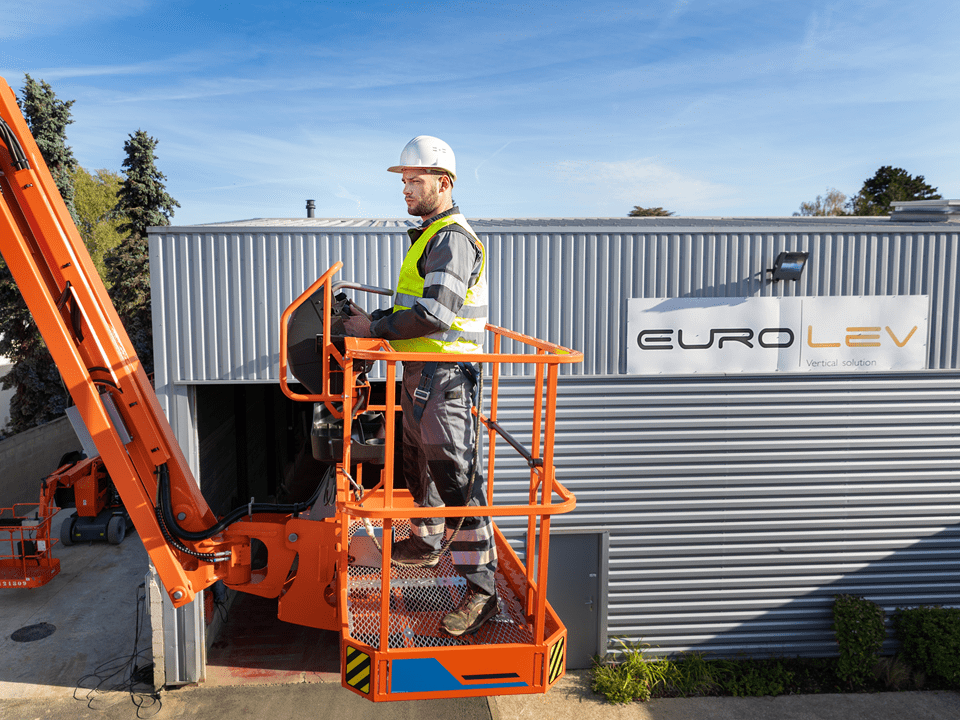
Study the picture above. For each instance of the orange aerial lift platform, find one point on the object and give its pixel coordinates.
(327, 559)
(26, 548)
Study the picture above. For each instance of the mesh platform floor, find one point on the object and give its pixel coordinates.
(18, 576)
(419, 598)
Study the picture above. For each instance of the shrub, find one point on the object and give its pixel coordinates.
(894, 673)
(753, 678)
(690, 675)
(631, 679)
(930, 641)
(858, 625)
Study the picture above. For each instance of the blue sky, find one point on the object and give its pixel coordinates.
(554, 109)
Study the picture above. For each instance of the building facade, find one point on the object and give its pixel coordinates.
(730, 507)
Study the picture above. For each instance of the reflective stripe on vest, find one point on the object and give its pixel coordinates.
(466, 333)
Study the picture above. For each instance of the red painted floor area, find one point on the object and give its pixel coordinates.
(256, 648)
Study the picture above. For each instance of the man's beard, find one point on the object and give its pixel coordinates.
(428, 204)
(423, 208)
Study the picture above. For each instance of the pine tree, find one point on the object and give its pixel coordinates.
(649, 212)
(128, 269)
(887, 186)
(39, 395)
(48, 117)
(142, 198)
(143, 202)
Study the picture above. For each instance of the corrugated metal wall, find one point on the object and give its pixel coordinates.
(227, 287)
(738, 507)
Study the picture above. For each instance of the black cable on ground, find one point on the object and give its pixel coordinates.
(132, 670)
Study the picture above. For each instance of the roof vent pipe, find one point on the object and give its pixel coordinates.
(311, 206)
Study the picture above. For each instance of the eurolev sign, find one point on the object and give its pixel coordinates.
(793, 334)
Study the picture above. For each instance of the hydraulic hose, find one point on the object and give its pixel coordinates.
(166, 514)
(17, 154)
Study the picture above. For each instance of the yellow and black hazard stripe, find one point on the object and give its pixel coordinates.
(556, 661)
(357, 672)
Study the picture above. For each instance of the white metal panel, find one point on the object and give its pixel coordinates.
(221, 289)
(738, 507)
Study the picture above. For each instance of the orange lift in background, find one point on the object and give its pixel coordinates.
(26, 547)
(324, 557)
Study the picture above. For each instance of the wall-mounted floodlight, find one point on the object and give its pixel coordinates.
(788, 265)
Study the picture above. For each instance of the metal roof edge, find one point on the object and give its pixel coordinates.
(579, 226)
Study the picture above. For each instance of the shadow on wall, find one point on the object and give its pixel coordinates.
(791, 614)
(738, 507)
(28, 457)
(5, 395)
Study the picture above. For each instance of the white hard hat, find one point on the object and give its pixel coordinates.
(427, 152)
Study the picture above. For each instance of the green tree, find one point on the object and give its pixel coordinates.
(889, 185)
(39, 395)
(142, 199)
(144, 202)
(47, 117)
(833, 203)
(649, 212)
(97, 219)
(128, 272)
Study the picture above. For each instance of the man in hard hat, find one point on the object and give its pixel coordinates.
(440, 307)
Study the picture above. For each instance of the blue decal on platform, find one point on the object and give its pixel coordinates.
(428, 675)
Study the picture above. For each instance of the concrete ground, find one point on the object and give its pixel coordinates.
(260, 669)
(572, 699)
(569, 700)
(92, 606)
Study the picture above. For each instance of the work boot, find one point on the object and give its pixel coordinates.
(404, 553)
(474, 611)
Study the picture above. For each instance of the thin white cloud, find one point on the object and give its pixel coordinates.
(680, 7)
(345, 194)
(168, 67)
(645, 182)
(817, 27)
(43, 18)
(52, 74)
(476, 170)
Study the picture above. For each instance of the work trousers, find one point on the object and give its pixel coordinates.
(437, 460)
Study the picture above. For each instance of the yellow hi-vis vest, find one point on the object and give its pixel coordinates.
(466, 333)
